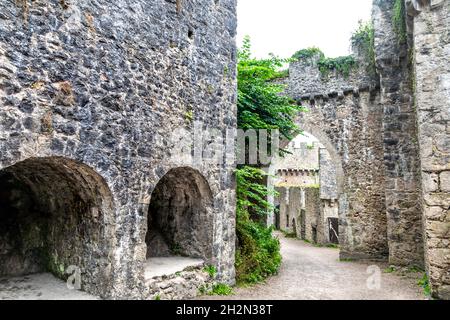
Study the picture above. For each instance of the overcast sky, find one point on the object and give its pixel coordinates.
(284, 26)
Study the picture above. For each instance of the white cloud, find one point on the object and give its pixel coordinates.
(284, 26)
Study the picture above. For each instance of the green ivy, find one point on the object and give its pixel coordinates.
(399, 21)
(364, 38)
(342, 65)
(261, 105)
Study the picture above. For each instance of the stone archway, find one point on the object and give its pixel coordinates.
(56, 215)
(310, 180)
(350, 127)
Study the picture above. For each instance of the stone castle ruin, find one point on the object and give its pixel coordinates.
(388, 134)
(91, 179)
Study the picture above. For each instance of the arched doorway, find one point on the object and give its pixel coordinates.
(56, 215)
(180, 220)
(309, 182)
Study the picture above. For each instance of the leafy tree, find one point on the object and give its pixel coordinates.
(261, 105)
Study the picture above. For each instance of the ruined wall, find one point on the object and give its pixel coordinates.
(106, 83)
(430, 30)
(301, 213)
(388, 138)
(290, 203)
(349, 123)
(399, 140)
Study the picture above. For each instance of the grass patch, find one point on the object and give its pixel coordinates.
(341, 65)
(221, 289)
(347, 260)
(290, 235)
(425, 284)
(211, 270)
(390, 269)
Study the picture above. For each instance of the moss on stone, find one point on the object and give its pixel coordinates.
(399, 21)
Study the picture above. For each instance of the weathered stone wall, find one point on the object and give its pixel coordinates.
(327, 174)
(312, 217)
(307, 81)
(105, 84)
(387, 135)
(299, 168)
(430, 28)
(352, 136)
(399, 140)
(290, 203)
(296, 178)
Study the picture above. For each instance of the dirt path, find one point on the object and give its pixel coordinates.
(311, 273)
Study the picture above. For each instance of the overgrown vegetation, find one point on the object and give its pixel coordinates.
(364, 38)
(399, 21)
(211, 271)
(425, 284)
(261, 105)
(341, 65)
(258, 254)
(308, 54)
(221, 289)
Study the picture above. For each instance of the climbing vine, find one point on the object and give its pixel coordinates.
(399, 21)
(364, 38)
(342, 65)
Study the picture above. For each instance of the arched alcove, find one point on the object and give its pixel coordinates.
(180, 216)
(56, 215)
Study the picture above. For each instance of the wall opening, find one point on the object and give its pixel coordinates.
(56, 215)
(309, 175)
(179, 221)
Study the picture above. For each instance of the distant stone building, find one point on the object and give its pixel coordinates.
(305, 181)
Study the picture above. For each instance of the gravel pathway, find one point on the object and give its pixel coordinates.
(312, 273)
